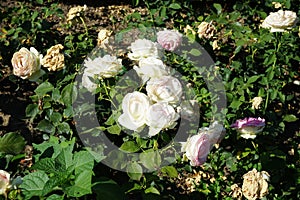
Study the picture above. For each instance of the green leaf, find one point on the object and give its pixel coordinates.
(56, 95)
(32, 110)
(175, 6)
(130, 146)
(134, 171)
(290, 118)
(55, 117)
(11, 143)
(151, 159)
(82, 185)
(65, 157)
(152, 190)
(83, 161)
(252, 79)
(43, 89)
(63, 128)
(169, 171)
(114, 129)
(55, 197)
(46, 164)
(33, 184)
(195, 52)
(45, 126)
(218, 7)
(69, 94)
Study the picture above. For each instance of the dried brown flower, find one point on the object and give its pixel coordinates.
(54, 59)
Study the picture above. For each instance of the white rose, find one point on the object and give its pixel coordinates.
(87, 81)
(135, 105)
(105, 67)
(4, 181)
(150, 68)
(26, 63)
(164, 89)
(280, 21)
(143, 48)
(160, 116)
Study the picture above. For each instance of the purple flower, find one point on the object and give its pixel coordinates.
(169, 39)
(249, 127)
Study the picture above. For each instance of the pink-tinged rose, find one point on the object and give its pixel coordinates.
(26, 63)
(169, 39)
(160, 116)
(198, 146)
(4, 181)
(249, 127)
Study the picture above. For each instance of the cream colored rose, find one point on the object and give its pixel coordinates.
(105, 67)
(54, 60)
(206, 30)
(256, 101)
(280, 21)
(150, 68)
(26, 63)
(135, 105)
(103, 37)
(255, 185)
(160, 116)
(164, 89)
(143, 48)
(4, 181)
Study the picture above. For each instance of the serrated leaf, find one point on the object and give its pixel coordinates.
(12, 143)
(46, 164)
(33, 184)
(43, 89)
(134, 171)
(130, 146)
(65, 157)
(83, 161)
(82, 185)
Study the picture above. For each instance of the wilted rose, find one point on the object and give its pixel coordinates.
(206, 30)
(249, 127)
(26, 63)
(160, 116)
(143, 48)
(135, 105)
(54, 60)
(76, 12)
(255, 185)
(103, 36)
(4, 181)
(150, 68)
(280, 21)
(164, 89)
(169, 39)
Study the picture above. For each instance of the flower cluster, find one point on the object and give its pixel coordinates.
(156, 108)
